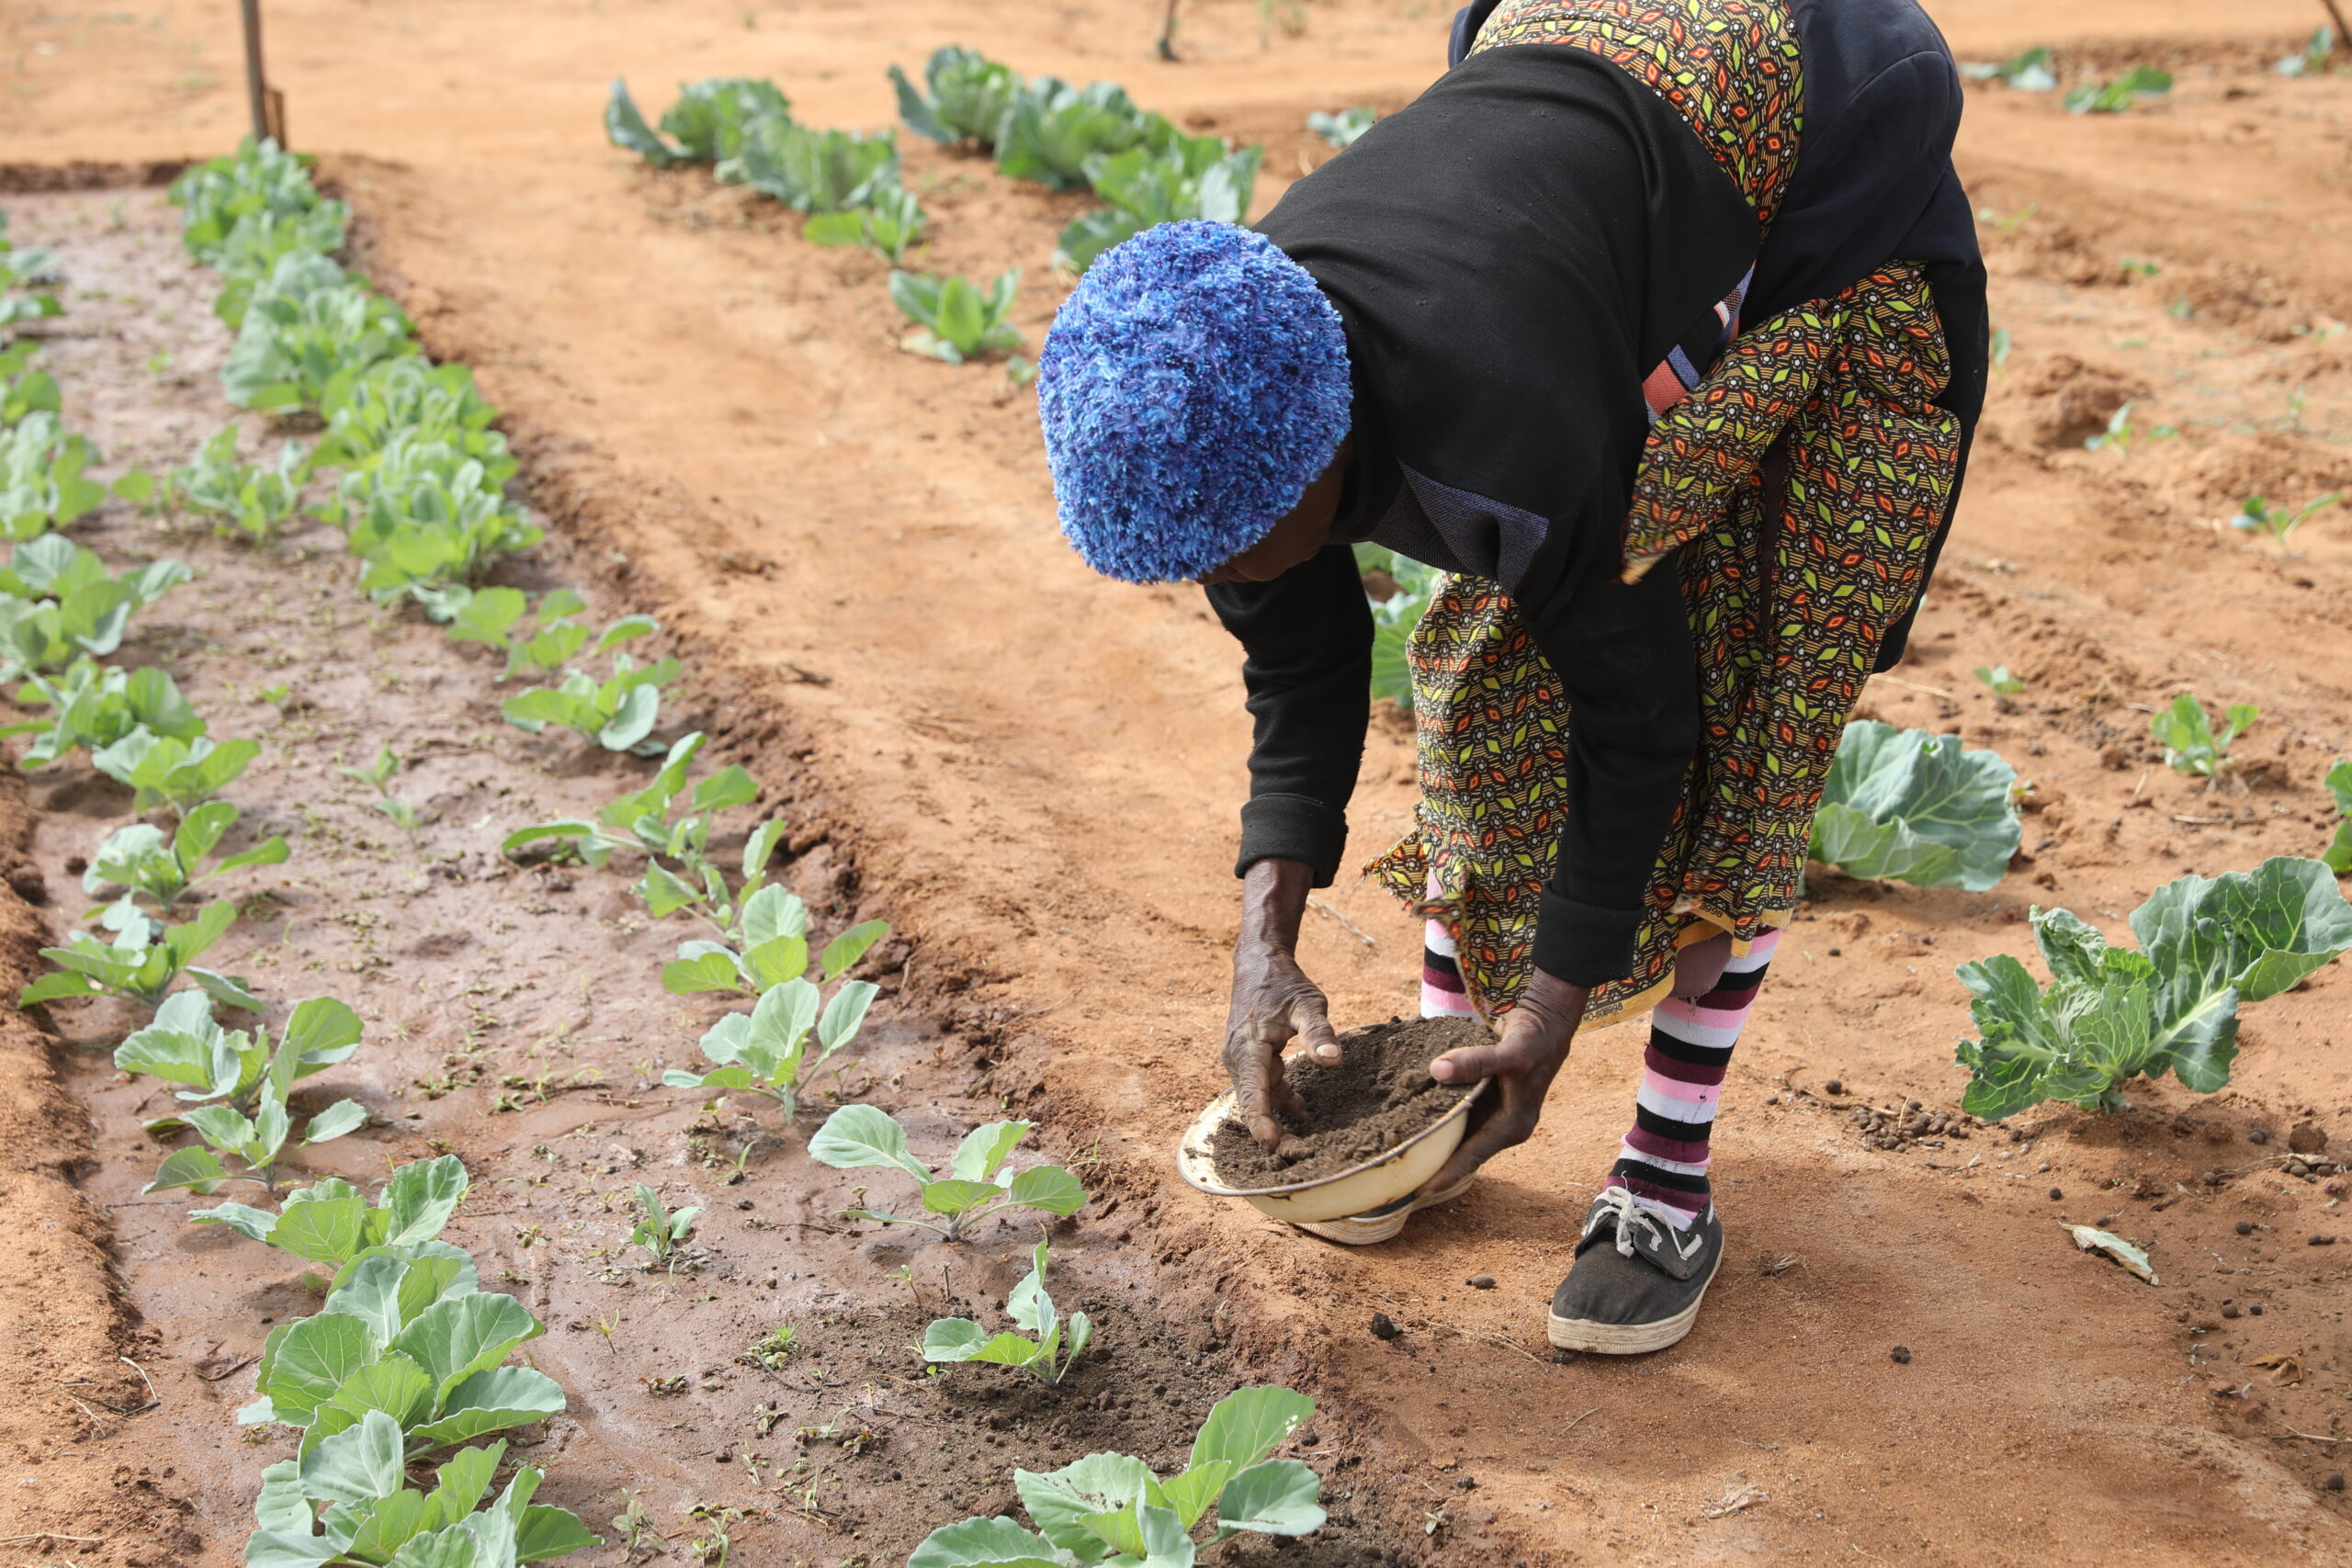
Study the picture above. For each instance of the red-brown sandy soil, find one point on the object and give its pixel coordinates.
(1033, 774)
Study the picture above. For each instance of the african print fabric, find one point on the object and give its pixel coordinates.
(1789, 594)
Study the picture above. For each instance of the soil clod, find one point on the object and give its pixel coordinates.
(1379, 1095)
(1900, 1355)
(1385, 1326)
(1482, 1281)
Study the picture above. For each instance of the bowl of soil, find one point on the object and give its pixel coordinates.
(1377, 1126)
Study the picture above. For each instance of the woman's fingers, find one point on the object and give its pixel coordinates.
(1471, 1062)
(1311, 1016)
(1503, 1130)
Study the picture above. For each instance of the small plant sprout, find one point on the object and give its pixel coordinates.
(665, 820)
(143, 861)
(496, 616)
(774, 1348)
(660, 1230)
(58, 603)
(247, 498)
(2135, 86)
(185, 1047)
(404, 813)
(2027, 73)
(978, 1181)
(1340, 130)
(2260, 516)
(256, 1140)
(141, 970)
(958, 322)
(331, 1222)
(1050, 1348)
(2004, 687)
(765, 1049)
(618, 714)
(94, 706)
(2339, 849)
(2312, 58)
(179, 775)
(1110, 1510)
(887, 225)
(2193, 745)
(2121, 434)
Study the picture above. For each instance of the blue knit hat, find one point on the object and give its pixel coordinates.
(1191, 389)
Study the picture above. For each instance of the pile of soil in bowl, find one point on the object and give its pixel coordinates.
(1379, 1095)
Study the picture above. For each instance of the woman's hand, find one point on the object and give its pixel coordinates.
(1274, 1001)
(1533, 1040)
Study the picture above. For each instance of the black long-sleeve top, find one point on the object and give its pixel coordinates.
(1510, 255)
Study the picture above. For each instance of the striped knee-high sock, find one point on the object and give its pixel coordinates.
(1663, 1161)
(1442, 992)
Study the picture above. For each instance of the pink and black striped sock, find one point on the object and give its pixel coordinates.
(1663, 1161)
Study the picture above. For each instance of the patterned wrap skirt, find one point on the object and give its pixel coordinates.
(1792, 570)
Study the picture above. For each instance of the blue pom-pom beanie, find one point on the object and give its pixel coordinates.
(1191, 389)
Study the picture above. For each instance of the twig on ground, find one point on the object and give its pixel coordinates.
(1735, 1498)
(53, 1535)
(1315, 902)
(1914, 686)
(1572, 1426)
(154, 1399)
(2315, 1438)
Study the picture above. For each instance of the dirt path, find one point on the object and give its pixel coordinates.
(1038, 770)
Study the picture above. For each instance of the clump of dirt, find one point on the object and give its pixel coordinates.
(1901, 1126)
(1379, 1095)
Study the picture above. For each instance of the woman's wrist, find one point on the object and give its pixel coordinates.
(1273, 903)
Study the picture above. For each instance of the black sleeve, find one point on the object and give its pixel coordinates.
(1623, 654)
(1307, 647)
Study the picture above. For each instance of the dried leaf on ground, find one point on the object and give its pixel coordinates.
(2090, 1239)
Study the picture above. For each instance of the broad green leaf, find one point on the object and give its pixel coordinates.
(771, 912)
(543, 1532)
(492, 1401)
(846, 949)
(710, 972)
(2241, 937)
(369, 1288)
(952, 1339)
(1248, 1425)
(385, 1527)
(985, 1148)
(984, 1543)
(1894, 796)
(282, 1504)
(778, 961)
(845, 1014)
(343, 1116)
(318, 1355)
(859, 1135)
(1059, 1502)
(198, 1168)
(1047, 1187)
(253, 1224)
(286, 1548)
(323, 1232)
(1193, 1493)
(459, 1335)
(1007, 1349)
(1027, 1303)
(396, 1386)
(729, 787)
(953, 1198)
(465, 1476)
(1279, 1497)
(420, 1196)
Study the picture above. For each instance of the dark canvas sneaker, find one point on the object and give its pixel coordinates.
(1637, 1281)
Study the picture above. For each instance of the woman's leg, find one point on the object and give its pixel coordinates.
(1442, 992)
(1663, 1160)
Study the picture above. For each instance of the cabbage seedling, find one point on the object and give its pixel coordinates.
(652, 821)
(41, 477)
(765, 1049)
(1052, 127)
(142, 861)
(766, 943)
(1340, 130)
(255, 500)
(180, 775)
(2126, 91)
(256, 1140)
(710, 115)
(351, 1504)
(2312, 58)
(1910, 806)
(2003, 687)
(259, 241)
(959, 323)
(1184, 176)
(2121, 434)
(24, 391)
(812, 171)
(2339, 850)
(2260, 516)
(2207, 944)
(259, 178)
(494, 616)
(408, 396)
(2191, 744)
(307, 324)
(625, 127)
(1045, 1354)
(619, 715)
(1109, 1508)
(969, 97)
(660, 1229)
(18, 267)
(978, 1182)
(142, 971)
(183, 1045)
(94, 706)
(2027, 73)
(412, 1340)
(329, 1222)
(427, 519)
(887, 225)
(404, 813)
(61, 602)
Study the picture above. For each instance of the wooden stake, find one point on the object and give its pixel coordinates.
(256, 83)
(2336, 14)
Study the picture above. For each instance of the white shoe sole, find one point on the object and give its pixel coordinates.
(1364, 1229)
(1627, 1339)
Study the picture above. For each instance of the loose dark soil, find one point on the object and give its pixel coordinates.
(1379, 1095)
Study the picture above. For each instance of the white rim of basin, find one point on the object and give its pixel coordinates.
(1196, 1162)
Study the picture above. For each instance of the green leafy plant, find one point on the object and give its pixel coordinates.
(978, 1180)
(1341, 129)
(2191, 743)
(958, 322)
(2123, 434)
(1052, 127)
(2278, 522)
(1109, 1508)
(23, 390)
(1184, 176)
(1906, 806)
(331, 1222)
(812, 171)
(2312, 58)
(184, 1045)
(665, 820)
(765, 1051)
(970, 96)
(618, 714)
(142, 860)
(19, 268)
(139, 970)
(427, 520)
(405, 1335)
(94, 706)
(256, 1140)
(774, 1348)
(260, 179)
(1411, 587)
(2128, 91)
(258, 241)
(178, 775)
(252, 500)
(406, 396)
(762, 930)
(495, 617)
(2338, 857)
(658, 1229)
(61, 602)
(41, 477)
(709, 120)
(2030, 71)
(349, 1503)
(379, 774)
(2006, 688)
(2207, 944)
(307, 325)
(1049, 1349)
(887, 225)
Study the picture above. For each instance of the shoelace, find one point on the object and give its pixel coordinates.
(1619, 1206)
